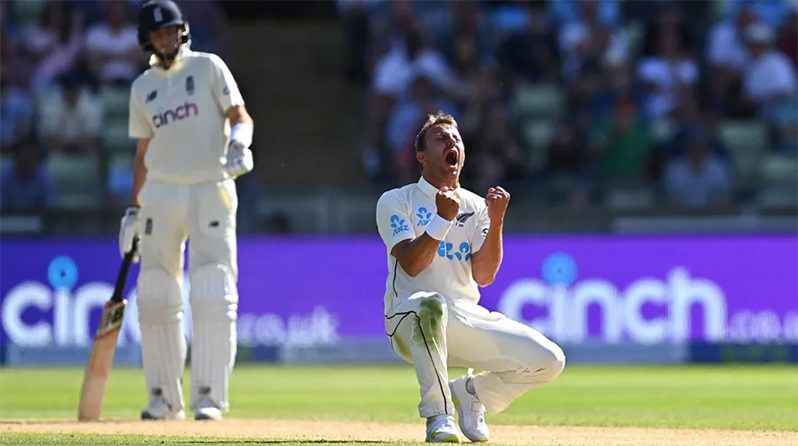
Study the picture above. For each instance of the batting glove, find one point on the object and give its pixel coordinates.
(128, 231)
(239, 160)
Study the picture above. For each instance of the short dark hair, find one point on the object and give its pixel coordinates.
(434, 119)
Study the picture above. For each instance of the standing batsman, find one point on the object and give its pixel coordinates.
(443, 242)
(187, 157)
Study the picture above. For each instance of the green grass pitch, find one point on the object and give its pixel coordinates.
(763, 397)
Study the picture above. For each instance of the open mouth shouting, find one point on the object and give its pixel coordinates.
(451, 157)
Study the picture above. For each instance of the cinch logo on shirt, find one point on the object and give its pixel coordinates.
(178, 114)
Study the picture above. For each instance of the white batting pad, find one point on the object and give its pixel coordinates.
(163, 345)
(214, 306)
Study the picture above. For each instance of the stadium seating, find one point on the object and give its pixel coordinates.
(747, 142)
(544, 101)
(76, 179)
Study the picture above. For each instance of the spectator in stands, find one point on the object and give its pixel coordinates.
(112, 46)
(771, 12)
(405, 119)
(495, 155)
(589, 41)
(788, 38)
(669, 74)
(469, 35)
(55, 43)
(690, 121)
(16, 64)
(393, 76)
(16, 114)
(769, 79)
(567, 166)
(622, 144)
(531, 53)
(608, 12)
(25, 184)
(726, 58)
(699, 178)
(70, 116)
(355, 20)
(610, 84)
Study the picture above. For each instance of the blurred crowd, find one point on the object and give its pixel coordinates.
(65, 74)
(630, 103)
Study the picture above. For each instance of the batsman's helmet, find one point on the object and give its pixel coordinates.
(156, 14)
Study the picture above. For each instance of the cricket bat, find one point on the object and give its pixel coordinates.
(102, 352)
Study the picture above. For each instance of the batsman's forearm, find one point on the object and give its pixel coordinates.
(139, 176)
(486, 262)
(415, 255)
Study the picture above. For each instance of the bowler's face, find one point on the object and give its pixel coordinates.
(444, 154)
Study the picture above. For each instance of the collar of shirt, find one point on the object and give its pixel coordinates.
(182, 52)
(428, 189)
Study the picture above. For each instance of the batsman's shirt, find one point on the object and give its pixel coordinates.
(182, 111)
(403, 214)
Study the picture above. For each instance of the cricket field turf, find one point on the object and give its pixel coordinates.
(290, 405)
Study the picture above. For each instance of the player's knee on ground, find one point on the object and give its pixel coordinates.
(433, 316)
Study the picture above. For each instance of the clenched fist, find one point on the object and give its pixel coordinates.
(447, 202)
(497, 200)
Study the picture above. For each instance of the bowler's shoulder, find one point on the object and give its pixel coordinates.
(395, 195)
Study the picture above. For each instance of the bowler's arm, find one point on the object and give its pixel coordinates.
(139, 170)
(485, 263)
(415, 254)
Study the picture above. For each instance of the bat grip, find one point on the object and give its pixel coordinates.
(121, 278)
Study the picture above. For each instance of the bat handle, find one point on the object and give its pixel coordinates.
(121, 278)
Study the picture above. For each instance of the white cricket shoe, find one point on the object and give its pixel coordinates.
(159, 409)
(441, 429)
(470, 411)
(207, 410)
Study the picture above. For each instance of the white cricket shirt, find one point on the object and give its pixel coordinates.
(403, 213)
(182, 111)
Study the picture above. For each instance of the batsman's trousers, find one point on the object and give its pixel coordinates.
(203, 214)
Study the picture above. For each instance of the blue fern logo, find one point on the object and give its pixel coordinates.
(424, 216)
(398, 224)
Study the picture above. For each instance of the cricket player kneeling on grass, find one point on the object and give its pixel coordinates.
(442, 242)
(187, 158)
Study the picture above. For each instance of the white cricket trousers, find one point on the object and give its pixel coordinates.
(205, 214)
(431, 332)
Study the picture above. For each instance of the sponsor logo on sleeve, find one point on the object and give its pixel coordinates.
(398, 224)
